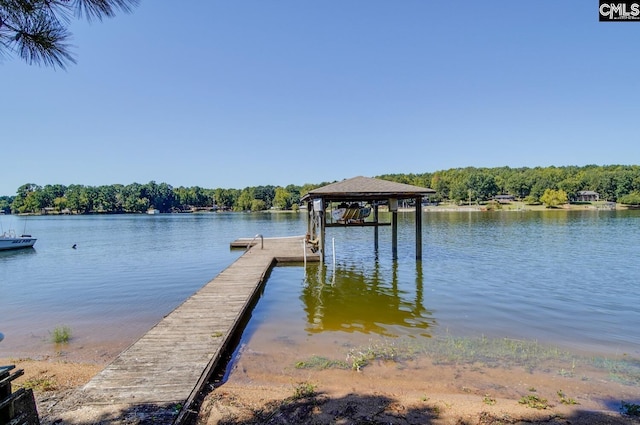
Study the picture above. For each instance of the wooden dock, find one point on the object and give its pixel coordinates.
(170, 364)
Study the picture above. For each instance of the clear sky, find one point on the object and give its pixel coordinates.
(274, 92)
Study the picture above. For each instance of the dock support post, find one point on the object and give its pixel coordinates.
(393, 208)
(394, 235)
(318, 215)
(419, 228)
(375, 229)
(322, 234)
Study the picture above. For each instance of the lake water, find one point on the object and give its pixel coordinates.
(568, 278)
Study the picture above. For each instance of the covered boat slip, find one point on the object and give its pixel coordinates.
(350, 194)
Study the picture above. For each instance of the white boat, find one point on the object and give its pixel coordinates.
(9, 240)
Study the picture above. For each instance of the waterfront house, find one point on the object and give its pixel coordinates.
(587, 196)
(504, 199)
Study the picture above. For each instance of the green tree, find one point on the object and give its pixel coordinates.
(632, 198)
(282, 199)
(5, 204)
(482, 185)
(226, 198)
(49, 193)
(37, 30)
(266, 194)
(517, 185)
(258, 205)
(25, 200)
(554, 197)
(60, 203)
(245, 200)
(295, 193)
(132, 193)
(108, 198)
(440, 184)
(79, 199)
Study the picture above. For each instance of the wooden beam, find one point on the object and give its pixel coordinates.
(365, 224)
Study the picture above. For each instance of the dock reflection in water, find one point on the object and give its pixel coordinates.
(349, 300)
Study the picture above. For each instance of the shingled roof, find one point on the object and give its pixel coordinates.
(366, 188)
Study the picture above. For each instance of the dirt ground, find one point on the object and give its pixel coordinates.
(267, 391)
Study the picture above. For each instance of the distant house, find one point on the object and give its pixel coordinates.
(504, 199)
(587, 196)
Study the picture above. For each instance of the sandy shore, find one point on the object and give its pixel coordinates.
(277, 389)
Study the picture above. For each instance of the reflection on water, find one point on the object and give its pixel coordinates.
(355, 302)
(559, 277)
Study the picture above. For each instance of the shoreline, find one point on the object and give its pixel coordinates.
(279, 383)
(448, 388)
(441, 207)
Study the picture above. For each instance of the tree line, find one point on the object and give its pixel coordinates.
(137, 198)
(614, 183)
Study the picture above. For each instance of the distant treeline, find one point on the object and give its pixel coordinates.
(135, 198)
(615, 183)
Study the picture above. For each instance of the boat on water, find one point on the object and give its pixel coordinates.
(9, 240)
(352, 214)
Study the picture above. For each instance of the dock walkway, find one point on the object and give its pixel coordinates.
(170, 364)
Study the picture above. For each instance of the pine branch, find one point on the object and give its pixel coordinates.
(36, 30)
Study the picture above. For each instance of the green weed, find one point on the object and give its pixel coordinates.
(321, 363)
(361, 357)
(304, 390)
(488, 400)
(61, 334)
(534, 402)
(41, 384)
(566, 400)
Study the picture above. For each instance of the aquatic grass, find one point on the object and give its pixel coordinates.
(321, 363)
(61, 334)
(481, 352)
(447, 350)
(388, 351)
(625, 370)
(493, 352)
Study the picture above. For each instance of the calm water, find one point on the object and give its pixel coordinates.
(127, 272)
(565, 278)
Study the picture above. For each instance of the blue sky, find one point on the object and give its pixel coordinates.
(245, 93)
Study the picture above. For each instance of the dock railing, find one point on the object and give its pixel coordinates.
(250, 244)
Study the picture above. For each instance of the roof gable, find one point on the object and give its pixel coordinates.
(365, 188)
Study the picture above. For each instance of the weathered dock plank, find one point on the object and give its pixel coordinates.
(173, 360)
